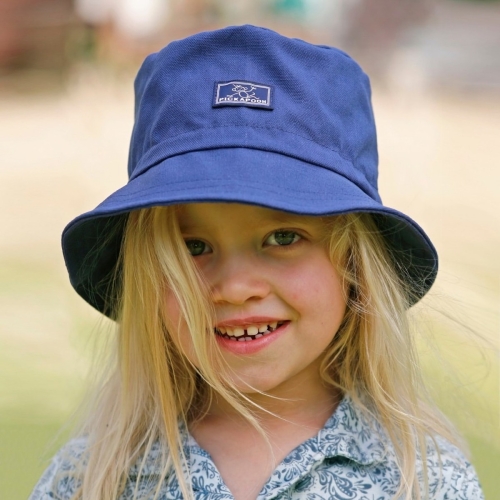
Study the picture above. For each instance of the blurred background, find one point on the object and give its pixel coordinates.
(66, 111)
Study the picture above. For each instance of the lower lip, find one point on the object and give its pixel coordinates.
(251, 346)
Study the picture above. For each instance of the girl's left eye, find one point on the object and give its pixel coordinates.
(197, 247)
(282, 238)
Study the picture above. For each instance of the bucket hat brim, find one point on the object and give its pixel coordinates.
(91, 242)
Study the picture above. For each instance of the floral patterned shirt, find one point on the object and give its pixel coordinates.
(349, 459)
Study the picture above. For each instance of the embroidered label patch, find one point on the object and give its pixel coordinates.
(236, 93)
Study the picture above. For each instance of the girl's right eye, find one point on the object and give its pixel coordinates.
(197, 247)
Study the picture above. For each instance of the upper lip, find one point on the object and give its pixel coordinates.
(249, 320)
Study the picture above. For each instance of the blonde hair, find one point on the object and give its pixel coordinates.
(153, 386)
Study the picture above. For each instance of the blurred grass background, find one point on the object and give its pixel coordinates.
(66, 104)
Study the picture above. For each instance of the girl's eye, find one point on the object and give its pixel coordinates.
(282, 238)
(197, 247)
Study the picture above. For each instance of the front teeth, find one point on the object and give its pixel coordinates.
(237, 332)
(253, 330)
(250, 333)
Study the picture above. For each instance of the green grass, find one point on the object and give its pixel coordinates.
(486, 460)
(26, 450)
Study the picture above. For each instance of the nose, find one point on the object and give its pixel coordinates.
(237, 279)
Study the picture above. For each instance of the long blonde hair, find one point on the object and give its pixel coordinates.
(153, 387)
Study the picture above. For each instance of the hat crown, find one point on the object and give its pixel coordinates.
(245, 115)
(321, 112)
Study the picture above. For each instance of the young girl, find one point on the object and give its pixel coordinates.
(260, 290)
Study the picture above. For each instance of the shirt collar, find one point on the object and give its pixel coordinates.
(352, 434)
(348, 433)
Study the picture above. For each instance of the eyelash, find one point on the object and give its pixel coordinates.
(296, 238)
(205, 246)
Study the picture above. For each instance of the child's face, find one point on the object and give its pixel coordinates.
(272, 283)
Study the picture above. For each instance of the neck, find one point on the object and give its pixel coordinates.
(309, 403)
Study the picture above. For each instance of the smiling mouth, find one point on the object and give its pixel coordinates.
(253, 332)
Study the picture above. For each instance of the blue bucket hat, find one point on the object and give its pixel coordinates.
(246, 115)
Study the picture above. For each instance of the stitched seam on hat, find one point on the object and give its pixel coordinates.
(258, 128)
(218, 182)
(208, 148)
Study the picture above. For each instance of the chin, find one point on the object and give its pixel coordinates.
(257, 385)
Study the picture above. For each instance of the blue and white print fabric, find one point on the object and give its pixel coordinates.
(349, 459)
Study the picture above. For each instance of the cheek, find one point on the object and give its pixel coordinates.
(316, 281)
(333, 284)
(176, 326)
(172, 313)
(316, 291)
(330, 297)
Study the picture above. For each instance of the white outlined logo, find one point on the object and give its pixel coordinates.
(242, 93)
